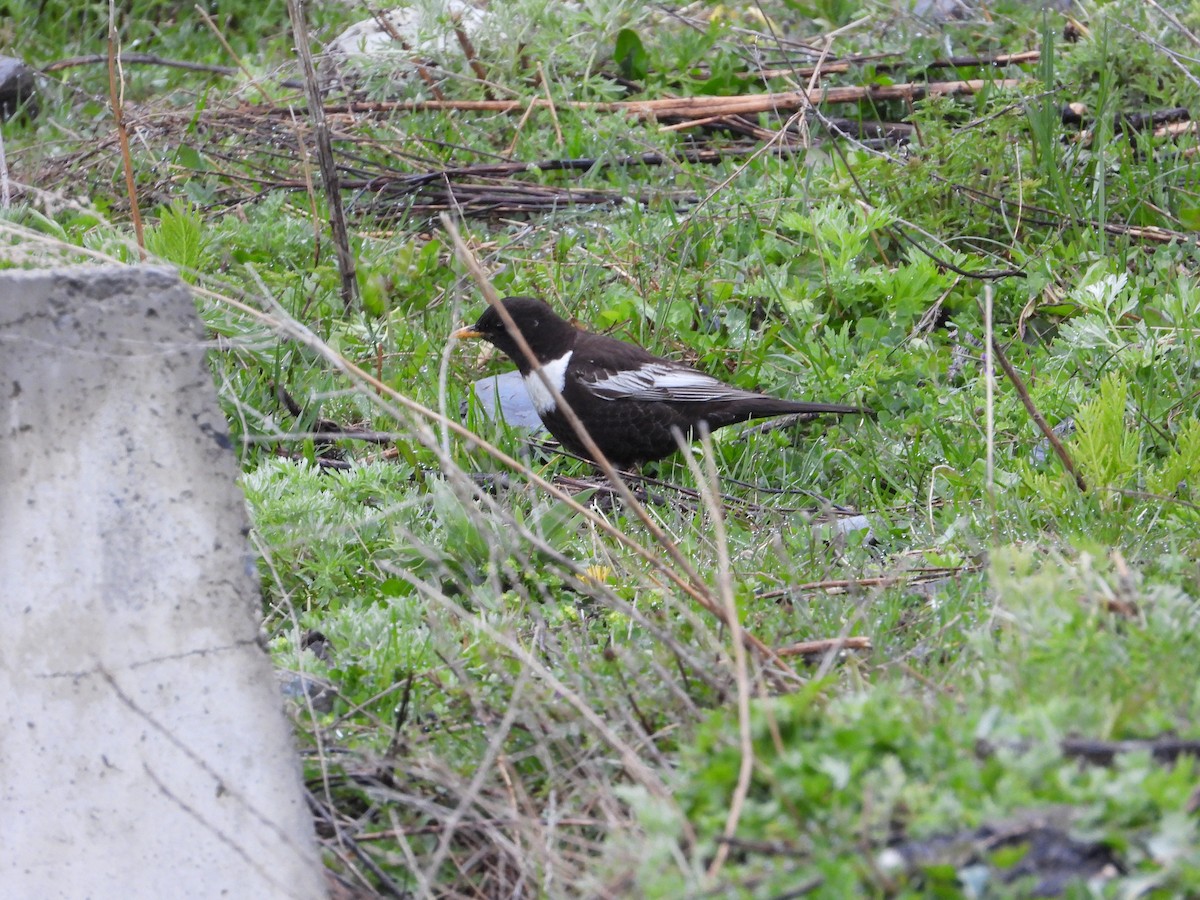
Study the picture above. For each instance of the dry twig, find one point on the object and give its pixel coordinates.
(117, 94)
(1035, 414)
(329, 171)
(825, 645)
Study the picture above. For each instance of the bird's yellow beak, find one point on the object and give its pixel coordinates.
(466, 333)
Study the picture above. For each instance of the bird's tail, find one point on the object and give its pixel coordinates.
(774, 407)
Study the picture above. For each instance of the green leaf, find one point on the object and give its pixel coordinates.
(1105, 449)
(1189, 215)
(180, 238)
(630, 55)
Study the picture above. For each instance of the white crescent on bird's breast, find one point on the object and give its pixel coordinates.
(556, 371)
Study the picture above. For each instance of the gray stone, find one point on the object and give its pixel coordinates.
(18, 88)
(143, 746)
(503, 397)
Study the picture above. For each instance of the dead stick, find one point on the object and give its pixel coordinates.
(1164, 749)
(812, 648)
(468, 50)
(116, 89)
(683, 107)
(841, 585)
(5, 185)
(841, 67)
(1037, 417)
(144, 59)
(329, 173)
(1138, 232)
(1004, 59)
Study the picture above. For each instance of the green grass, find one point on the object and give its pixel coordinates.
(532, 697)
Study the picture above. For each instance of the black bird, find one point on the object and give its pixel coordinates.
(628, 399)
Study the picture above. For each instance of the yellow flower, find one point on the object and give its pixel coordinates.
(596, 574)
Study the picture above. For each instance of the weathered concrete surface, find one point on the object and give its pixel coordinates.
(143, 748)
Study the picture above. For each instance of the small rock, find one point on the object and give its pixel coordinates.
(420, 33)
(18, 88)
(297, 686)
(504, 398)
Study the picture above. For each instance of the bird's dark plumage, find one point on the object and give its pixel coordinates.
(628, 399)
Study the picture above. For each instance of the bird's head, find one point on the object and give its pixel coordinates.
(549, 335)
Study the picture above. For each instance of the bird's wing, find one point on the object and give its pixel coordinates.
(663, 382)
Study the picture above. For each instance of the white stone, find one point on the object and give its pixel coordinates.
(143, 748)
(506, 398)
(426, 32)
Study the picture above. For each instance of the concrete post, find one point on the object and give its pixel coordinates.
(143, 747)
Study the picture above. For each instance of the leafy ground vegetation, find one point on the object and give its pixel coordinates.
(507, 682)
